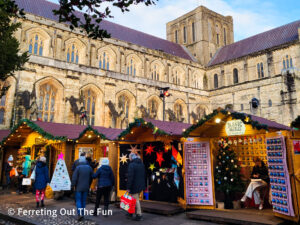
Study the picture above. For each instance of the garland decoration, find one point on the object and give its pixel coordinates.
(139, 122)
(90, 128)
(247, 119)
(35, 128)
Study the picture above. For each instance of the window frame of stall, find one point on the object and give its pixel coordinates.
(212, 127)
(144, 131)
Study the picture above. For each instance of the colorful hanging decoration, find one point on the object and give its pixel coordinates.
(134, 149)
(176, 176)
(176, 155)
(149, 149)
(123, 159)
(159, 158)
(152, 167)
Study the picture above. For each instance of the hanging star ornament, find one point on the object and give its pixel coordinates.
(123, 159)
(134, 150)
(149, 149)
(159, 158)
(61, 156)
(152, 167)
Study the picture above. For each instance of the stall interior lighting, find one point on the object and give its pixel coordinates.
(218, 120)
(89, 136)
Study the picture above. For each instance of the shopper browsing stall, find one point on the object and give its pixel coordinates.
(259, 180)
(41, 180)
(136, 181)
(105, 182)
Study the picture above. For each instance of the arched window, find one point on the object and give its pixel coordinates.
(155, 72)
(205, 82)
(216, 81)
(184, 34)
(124, 103)
(36, 45)
(178, 111)
(270, 103)
(72, 54)
(90, 104)
(131, 68)
(153, 108)
(260, 70)
(287, 62)
(200, 113)
(104, 61)
(47, 103)
(235, 76)
(2, 109)
(225, 41)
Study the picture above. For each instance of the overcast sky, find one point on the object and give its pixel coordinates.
(250, 17)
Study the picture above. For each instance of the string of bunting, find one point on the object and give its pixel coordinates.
(34, 127)
(235, 115)
(139, 122)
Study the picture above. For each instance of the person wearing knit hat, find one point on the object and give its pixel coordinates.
(106, 180)
(8, 166)
(41, 180)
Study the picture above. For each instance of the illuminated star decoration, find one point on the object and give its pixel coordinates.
(123, 159)
(134, 150)
(159, 158)
(61, 156)
(149, 149)
(167, 147)
(152, 167)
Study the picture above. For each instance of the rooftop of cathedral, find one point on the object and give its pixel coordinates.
(267, 40)
(44, 9)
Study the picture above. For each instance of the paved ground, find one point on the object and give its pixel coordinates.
(21, 204)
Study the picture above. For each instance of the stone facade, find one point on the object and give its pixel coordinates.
(113, 81)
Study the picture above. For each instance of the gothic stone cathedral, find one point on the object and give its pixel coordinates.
(117, 79)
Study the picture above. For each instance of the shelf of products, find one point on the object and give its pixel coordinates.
(279, 176)
(198, 174)
(248, 147)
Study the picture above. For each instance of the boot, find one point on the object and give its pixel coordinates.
(138, 218)
(37, 204)
(95, 212)
(42, 203)
(105, 211)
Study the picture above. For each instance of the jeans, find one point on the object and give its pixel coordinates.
(7, 180)
(105, 191)
(80, 197)
(138, 210)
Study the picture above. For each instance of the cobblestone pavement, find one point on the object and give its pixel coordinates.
(19, 205)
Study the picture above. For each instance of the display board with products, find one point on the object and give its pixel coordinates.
(247, 147)
(279, 176)
(198, 173)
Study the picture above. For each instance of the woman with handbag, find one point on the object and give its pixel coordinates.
(41, 180)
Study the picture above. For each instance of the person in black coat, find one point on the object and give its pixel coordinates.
(7, 168)
(106, 180)
(136, 182)
(41, 180)
(259, 180)
(81, 180)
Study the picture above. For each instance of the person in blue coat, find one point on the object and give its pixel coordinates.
(81, 180)
(106, 180)
(41, 180)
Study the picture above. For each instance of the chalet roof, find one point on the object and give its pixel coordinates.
(44, 9)
(263, 41)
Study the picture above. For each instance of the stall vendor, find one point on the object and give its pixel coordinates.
(259, 179)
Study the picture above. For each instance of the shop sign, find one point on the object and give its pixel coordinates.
(235, 127)
(296, 147)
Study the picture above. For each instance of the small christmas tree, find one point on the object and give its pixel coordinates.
(61, 179)
(227, 172)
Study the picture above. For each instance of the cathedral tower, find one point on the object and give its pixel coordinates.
(202, 31)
